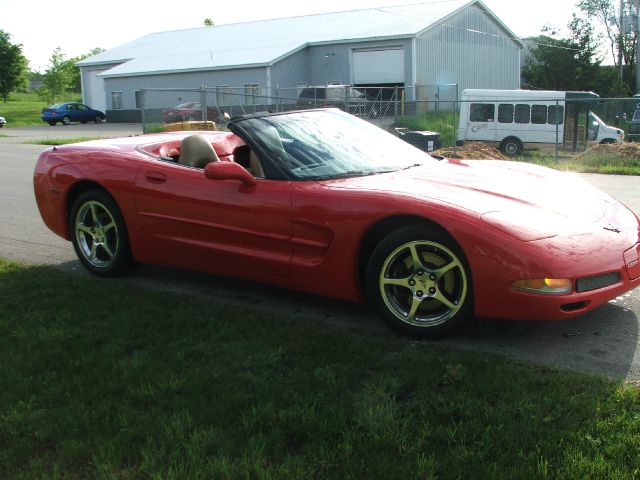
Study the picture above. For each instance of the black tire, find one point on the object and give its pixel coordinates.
(511, 147)
(84, 122)
(606, 141)
(53, 124)
(99, 234)
(66, 120)
(428, 299)
(98, 119)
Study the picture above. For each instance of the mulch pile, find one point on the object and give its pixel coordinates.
(623, 150)
(472, 150)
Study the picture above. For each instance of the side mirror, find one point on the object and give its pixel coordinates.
(229, 171)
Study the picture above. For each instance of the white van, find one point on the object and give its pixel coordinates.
(518, 119)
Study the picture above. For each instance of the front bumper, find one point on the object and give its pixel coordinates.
(586, 259)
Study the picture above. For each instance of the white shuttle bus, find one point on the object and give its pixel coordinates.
(517, 119)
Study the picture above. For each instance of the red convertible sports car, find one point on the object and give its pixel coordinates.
(324, 202)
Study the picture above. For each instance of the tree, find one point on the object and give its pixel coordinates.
(13, 66)
(208, 22)
(73, 71)
(63, 75)
(564, 63)
(606, 15)
(57, 77)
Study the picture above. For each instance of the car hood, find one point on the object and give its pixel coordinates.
(527, 201)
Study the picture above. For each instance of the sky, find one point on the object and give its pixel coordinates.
(79, 26)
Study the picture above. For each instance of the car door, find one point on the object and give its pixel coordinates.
(72, 112)
(186, 217)
(85, 114)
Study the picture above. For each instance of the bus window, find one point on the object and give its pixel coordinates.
(505, 113)
(539, 114)
(482, 112)
(523, 113)
(556, 115)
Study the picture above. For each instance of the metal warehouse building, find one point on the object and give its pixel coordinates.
(413, 47)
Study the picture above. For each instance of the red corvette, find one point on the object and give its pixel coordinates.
(323, 202)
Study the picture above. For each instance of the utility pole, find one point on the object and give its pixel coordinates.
(621, 40)
(637, 29)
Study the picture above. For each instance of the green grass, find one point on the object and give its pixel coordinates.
(25, 109)
(441, 122)
(60, 141)
(104, 380)
(589, 162)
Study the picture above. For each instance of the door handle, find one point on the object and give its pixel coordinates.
(156, 177)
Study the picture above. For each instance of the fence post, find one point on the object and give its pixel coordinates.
(455, 124)
(455, 135)
(396, 98)
(203, 102)
(143, 107)
(455, 121)
(557, 127)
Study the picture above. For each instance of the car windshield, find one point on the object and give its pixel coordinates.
(329, 144)
(187, 105)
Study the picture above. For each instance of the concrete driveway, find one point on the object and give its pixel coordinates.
(605, 341)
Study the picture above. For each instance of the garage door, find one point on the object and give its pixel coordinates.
(95, 96)
(378, 66)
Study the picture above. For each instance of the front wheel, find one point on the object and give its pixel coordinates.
(98, 119)
(99, 234)
(511, 146)
(66, 120)
(418, 280)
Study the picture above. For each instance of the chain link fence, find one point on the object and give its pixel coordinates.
(554, 125)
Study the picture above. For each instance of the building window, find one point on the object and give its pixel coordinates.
(224, 95)
(116, 100)
(252, 94)
(505, 113)
(482, 112)
(556, 115)
(523, 113)
(539, 114)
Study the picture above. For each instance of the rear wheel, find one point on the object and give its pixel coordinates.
(419, 281)
(53, 124)
(511, 146)
(99, 234)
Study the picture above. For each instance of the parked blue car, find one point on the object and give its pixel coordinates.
(71, 112)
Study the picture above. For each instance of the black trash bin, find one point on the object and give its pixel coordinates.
(422, 139)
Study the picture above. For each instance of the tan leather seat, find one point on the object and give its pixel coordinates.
(255, 167)
(196, 151)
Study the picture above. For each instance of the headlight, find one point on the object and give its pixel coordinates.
(544, 285)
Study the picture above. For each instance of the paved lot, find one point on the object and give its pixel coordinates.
(605, 341)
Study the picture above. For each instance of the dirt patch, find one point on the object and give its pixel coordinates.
(472, 150)
(622, 150)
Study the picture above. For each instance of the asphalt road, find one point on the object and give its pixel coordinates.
(604, 341)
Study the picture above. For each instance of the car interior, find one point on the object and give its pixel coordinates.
(197, 151)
